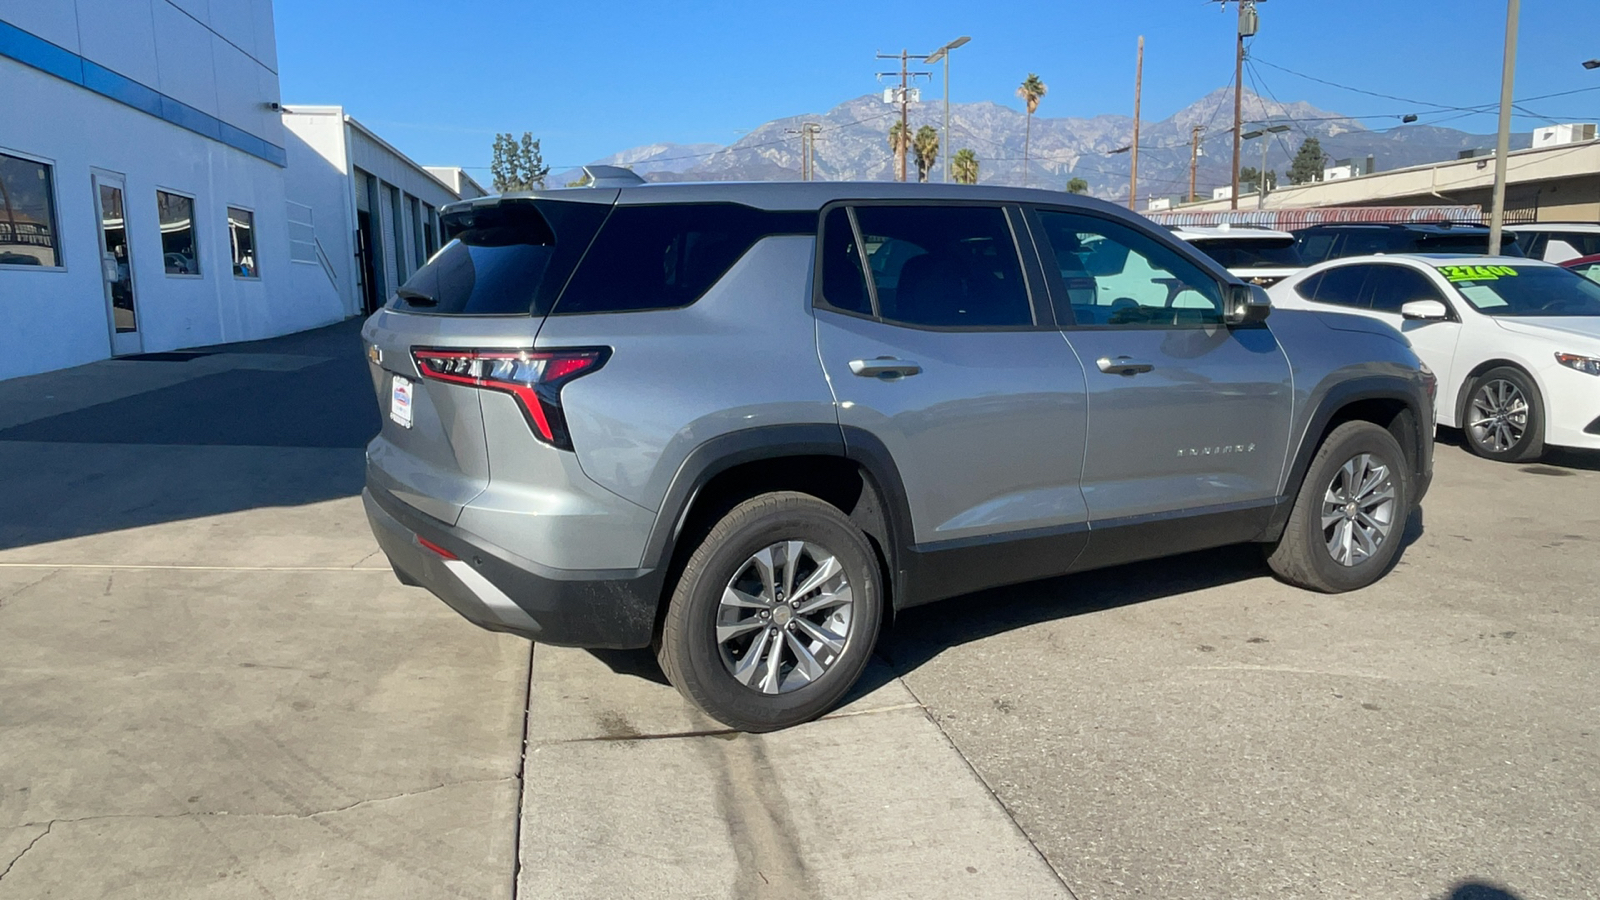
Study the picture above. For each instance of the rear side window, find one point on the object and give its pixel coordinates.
(944, 266)
(1316, 246)
(665, 257)
(1244, 253)
(510, 258)
(1339, 287)
(1391, 287)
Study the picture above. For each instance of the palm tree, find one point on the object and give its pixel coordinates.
(926, 148)
(1032, 90)
(964, 167)
(897, 146)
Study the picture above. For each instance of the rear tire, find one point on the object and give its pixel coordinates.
(1504, 416)
(775, 615)
(1350, 515)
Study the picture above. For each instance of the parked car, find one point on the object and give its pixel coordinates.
(749, 423)
(1557, 242)
(1515, 343)
(1256, 255)
(1318, 243)
(1587, 266)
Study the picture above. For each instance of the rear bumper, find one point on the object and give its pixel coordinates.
(501, 591)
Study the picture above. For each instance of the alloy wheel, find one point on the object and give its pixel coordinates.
(784, 617)
(1499, 416)
(1358, 509)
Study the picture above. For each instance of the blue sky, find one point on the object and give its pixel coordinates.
(438, 80)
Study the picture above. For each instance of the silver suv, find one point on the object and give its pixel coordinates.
(747, 424)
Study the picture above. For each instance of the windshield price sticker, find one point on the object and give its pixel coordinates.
(1477, 273)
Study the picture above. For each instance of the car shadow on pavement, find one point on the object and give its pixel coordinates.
(1556, 461)
(921, 633)
(1478, 890)
(218, 430)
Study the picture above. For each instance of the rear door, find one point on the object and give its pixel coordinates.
(488, 289)
(1388, 287)
(944, 356)
(1186, 415)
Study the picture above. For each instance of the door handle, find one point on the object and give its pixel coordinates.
(1122, 365)
(884, 367)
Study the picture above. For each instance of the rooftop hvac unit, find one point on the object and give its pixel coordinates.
(1565, 133)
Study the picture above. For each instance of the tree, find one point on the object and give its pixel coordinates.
(964, 167)
(897, 147)
(517, 166)
(1250, 178)
(1307, 164)
(1077, 186)
(1032, 90)
(581, 181)
(925, 146)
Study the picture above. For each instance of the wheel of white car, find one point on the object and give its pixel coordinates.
(1504, 416)
(1350, 515)
(775, 615)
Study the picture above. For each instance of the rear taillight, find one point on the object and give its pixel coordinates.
(533, 377)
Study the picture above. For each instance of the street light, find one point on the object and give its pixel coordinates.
(944, 54)
(1591, 64)
(1261, 175)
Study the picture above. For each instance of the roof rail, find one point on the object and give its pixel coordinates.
(611, 177)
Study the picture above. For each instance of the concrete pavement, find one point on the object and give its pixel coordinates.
(211, 686)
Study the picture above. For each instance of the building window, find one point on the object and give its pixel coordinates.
(430, 229)
(27, 214)
(418, 245)
(178, 248)
(242, 235)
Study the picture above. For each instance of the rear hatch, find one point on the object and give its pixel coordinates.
(489, 288)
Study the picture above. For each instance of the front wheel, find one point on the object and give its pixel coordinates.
(775, 615)
(1503, 420)
(1350, 515)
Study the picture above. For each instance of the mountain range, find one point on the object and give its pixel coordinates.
(852, 144)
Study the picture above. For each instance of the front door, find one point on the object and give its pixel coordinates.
(941, 356)
(1186, 415)
(116, 263)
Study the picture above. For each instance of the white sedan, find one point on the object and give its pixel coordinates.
(1515, 343)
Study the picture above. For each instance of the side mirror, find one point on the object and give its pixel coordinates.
(1425, 311)
(1247, 304)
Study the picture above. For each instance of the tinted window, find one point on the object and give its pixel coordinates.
(242, 237)
(947, 267)
(1561, 246)
(178, 251)
(1474, 242)
(1590, 271)
(844, 284)
(1316, 246)
(1391, 287)
(1259, 253)
(27, 214)
(1362, 242)
(665, 257)
(1525, 290)
(1117, 275)
(506, 259)
(1342, 286)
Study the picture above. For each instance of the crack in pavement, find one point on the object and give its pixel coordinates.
(47, 827)
(719, 732)
(225, 813)
(54, 571)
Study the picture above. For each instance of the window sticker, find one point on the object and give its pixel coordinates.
(1477, 273)
(1481, 295)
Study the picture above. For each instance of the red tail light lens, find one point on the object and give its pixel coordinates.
(533, 377)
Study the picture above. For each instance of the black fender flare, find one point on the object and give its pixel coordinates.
(725, 451)
(1337, 397)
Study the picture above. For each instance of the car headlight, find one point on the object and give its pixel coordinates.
(1588, 365)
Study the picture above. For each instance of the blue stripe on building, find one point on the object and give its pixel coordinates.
(31, 50)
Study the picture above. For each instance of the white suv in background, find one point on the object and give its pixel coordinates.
(1515, 343)
(1557, 242)
(1254, 254)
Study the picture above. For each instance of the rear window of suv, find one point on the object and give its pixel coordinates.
(1251, 253)
(667, 256)
(509, 258)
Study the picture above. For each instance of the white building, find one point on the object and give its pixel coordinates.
(457, 179)
(359, 208)
(141, 157)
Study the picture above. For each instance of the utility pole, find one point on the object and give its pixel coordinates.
(1138, 84)
(808, 148)
(905, 103)
(1249, 23)
(1194, 157)
(1502, 144)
